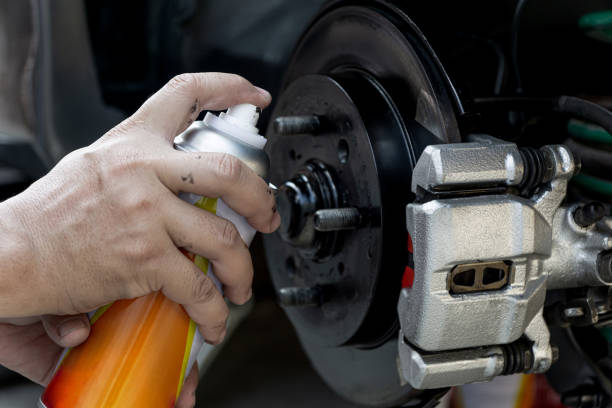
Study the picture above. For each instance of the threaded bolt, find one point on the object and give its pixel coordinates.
(589, 214)
(335, 219)
(295, 125)
(296, 296)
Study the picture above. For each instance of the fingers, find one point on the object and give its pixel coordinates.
(183, 282)
(174, 107)
(187, 399)
(225, 176)
(217, 240)
(67, 331)
(28, 351)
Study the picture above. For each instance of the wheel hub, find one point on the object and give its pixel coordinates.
(358, 108)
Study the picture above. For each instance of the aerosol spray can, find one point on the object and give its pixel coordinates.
(140, 350)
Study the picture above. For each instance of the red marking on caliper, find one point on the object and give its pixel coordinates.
(408, 278)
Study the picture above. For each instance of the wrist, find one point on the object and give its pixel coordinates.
(16, 273)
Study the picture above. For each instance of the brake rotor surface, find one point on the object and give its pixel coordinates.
(380, 96)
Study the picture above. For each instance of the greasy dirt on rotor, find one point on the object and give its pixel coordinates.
(338, 270)
(379, 97)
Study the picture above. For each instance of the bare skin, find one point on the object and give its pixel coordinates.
(106, 224)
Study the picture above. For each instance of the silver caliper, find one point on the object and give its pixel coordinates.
(490, 236)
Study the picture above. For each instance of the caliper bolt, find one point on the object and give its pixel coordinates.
(299, 296)
(336, 219)
(589, 214)
(573, 312)
(295, 125)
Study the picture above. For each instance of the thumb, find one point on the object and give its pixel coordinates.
(67, 331)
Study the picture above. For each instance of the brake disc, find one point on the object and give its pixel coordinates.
(362, 97)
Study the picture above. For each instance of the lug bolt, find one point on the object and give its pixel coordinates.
(589, 214)
(295, 125)
(335, 219)
(295, 296)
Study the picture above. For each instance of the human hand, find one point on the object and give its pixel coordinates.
(105, 223)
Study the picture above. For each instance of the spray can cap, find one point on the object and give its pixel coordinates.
(244, 115)
(239, 121)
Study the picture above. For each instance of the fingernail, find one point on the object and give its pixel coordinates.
(70, 325)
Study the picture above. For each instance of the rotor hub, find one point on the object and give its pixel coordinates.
(313, 188)
(358, 106)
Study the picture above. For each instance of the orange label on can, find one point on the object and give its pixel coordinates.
(134, 344)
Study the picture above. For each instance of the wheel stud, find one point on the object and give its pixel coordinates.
(295, 125)
(296, 296)
(336, 219)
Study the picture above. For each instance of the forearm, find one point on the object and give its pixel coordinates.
(17, 281)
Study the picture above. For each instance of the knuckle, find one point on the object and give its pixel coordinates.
(228, 167)
(141, 252)
(183, 82)
(87, 158)
(123, 128)
(124, 164)
(240, 80)
(139, 211)
(229, 235)
(88, 155)
(219, 322)
(140, 204)
(119, 168)
(91, 168)
(218, 325)
(203, 290)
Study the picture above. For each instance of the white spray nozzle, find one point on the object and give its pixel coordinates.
(245, 112)
(239, 121)
(244, 115)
